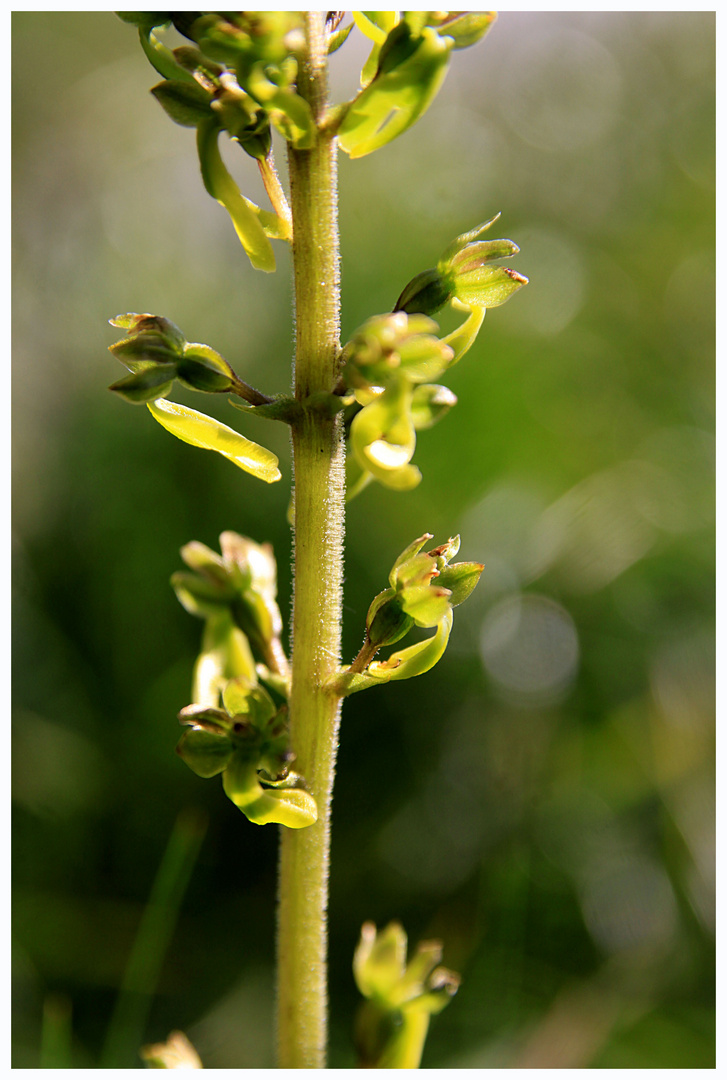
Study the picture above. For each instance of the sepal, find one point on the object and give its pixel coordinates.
(461, 580)
(201, 368)
(154, 381)
(205, 752)
(187, 104)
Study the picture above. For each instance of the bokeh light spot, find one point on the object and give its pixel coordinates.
(529, 646)
(583, 90)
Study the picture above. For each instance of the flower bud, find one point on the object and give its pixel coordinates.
(387, 346)
(386, 621)
(154, 331)
(425, 294)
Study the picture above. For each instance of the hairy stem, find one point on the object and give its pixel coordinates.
(318, 455)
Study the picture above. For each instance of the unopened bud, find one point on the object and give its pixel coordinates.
(425, 294)
(386, 621)
(151, 329)
(201, 368)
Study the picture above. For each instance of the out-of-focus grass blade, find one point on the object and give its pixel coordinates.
(126, 1030)
(56, 1033)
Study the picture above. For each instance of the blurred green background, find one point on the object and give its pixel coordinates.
(542, 801)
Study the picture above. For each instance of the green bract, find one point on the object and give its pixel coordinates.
(392, 1023)
(209, 434)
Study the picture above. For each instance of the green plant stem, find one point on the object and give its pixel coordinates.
(366, 654)
(318, 456)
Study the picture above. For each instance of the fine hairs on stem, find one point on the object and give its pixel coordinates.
(266, 723)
